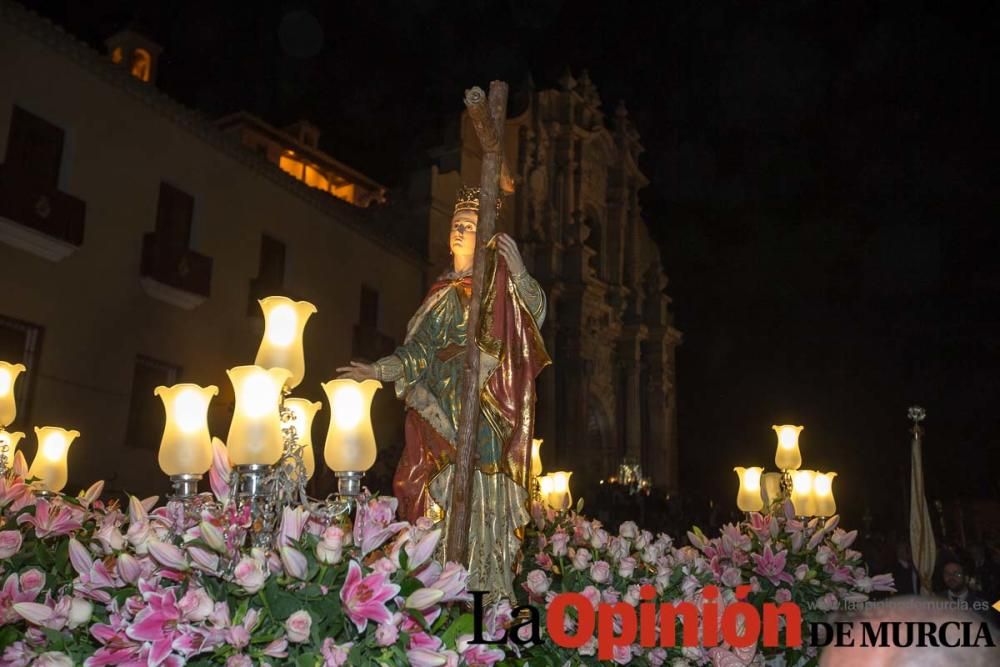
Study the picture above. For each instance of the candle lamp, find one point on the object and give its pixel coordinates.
(825, 505)
(559, 496)
(302, 412)
(284, 325)
(350, 442)
(8, 447)
(803, 496)
(749, 499)
(8, 406)
(186, 446)
(787, 456)
(770, 488)
(49, 466)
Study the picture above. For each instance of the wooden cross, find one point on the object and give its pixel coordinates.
(488, 116)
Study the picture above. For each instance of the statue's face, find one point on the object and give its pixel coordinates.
(462, 239)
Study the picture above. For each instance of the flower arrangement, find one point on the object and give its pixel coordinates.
(90, 582)
(777, 557)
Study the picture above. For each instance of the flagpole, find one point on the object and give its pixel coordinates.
(922, 544)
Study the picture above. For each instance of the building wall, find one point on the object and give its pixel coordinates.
(575, 212)
(122, 140)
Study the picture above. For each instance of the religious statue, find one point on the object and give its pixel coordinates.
(427, 370)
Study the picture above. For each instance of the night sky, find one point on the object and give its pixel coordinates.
(822, 176)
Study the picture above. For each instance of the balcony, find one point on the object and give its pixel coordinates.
(38, 218)
(180, 277)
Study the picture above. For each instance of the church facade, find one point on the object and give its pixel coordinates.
(610, 395)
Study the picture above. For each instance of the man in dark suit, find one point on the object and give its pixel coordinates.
(903, 573)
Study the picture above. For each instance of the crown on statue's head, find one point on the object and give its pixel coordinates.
(468, 200)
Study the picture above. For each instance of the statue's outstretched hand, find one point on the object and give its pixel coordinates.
(510, 253)
(357, 371)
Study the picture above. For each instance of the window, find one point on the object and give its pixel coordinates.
(270, 274)
(175, 210)
(34, 148)
(145, 412)
(142, 64)
(368, 318)
(19, 344)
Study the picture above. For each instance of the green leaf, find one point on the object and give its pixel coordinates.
(460, 626)
(409, 585)
(404, 560)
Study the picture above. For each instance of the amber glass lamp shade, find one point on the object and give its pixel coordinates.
(350, 441)
(8, 376)
(749, 499)
(255, 432)
(49, 466)
(281, 347)
(186, 445)
(303, 411)
(559, 496)
(803, 494)
(536, 457)
(787, 456)
(823, 494)
(10, 441)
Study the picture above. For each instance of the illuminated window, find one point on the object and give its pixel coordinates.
(315, 178)
(345, 191)
(292, 166)
(142, 64)
(117, 56)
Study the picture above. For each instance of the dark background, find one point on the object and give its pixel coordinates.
(823, 175)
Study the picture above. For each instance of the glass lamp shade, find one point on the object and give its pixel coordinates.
(770, 488)
(749, 499)
(823, 494)
(787, 456)
(284, 323)
(8, 376)
(803, 495)
(559, 496)
(303, 411)
(255, 432)
(536, 457)
(350, 441)
(186, 446)
(49, 466)
(10, 440)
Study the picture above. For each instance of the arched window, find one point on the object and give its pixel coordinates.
(142, 65)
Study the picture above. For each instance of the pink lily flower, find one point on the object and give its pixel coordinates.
(478, 655)
(221, 471)
(772, 565)
(452, 583)
(364, 598)
(293, 522)
(94, 492)
(53, 519)
(294, 562)
(157, 623)
(842, 539)
(15, 493)
(374, 523)
(335, 655)
(168, 556)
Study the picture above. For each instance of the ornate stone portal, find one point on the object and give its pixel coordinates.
(610, 392)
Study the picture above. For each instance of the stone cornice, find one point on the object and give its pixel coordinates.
(56, 38)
